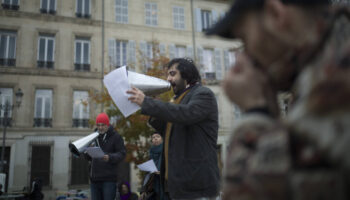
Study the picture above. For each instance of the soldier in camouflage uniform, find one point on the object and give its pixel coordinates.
(302, 46)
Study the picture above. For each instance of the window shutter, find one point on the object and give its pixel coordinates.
(218, 64)
(162, 49)
(131, 52)
(226, 60)
(112, 52)
(198, 20)
(214, 17)
(189, 51)
(171, 51)
(143, 49)
(200, 59)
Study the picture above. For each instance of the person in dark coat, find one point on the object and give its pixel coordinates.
(103, 171)
(36, 193)
(125, 192)
(189, 125)
(152, 188)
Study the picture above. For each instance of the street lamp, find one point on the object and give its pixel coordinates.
(8, 108)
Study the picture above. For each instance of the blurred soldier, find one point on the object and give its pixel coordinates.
(301, 46)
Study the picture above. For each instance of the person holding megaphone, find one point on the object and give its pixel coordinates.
(189, 126)
(103, 170)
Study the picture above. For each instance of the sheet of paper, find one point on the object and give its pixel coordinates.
(117, 84)
(95, 152)
(148, 166)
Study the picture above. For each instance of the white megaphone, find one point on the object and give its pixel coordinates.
(148, 84)
(77, 147)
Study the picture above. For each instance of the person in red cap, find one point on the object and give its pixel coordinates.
(103, 171)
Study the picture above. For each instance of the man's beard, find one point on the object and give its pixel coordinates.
(179, 87)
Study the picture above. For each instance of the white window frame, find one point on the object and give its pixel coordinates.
(46, 51)
(208, 63)
(82, 42)
(121, 11)
(6, 96)
(83, 7)
(180, 51)
(151, 14)
(206, 19)
(208, 60)
(8, 35)
(121, 52)
(46, 95)
(231, 57)
(81, 111)
(179, 17)
(48, 5)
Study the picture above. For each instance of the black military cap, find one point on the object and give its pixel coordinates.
(239, 7)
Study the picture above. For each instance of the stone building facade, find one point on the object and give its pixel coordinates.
(56, 52)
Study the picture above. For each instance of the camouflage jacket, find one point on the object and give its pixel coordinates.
(306, 156)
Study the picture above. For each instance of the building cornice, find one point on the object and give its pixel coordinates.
(49, 72)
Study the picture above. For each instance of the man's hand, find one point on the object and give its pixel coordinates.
(136, 96)
(105, 158)
(245, 85)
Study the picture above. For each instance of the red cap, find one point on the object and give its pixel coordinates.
(102, 118)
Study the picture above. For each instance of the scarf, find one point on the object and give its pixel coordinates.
(155, 153)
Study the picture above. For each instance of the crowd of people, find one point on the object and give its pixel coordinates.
(296, 46)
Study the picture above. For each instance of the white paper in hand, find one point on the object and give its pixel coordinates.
(117, 84)
(95, 152)
(148, 166)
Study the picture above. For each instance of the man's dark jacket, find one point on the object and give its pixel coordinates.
(193, 167)
(113, 146)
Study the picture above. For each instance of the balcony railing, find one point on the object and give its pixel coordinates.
(8, 6)
(45, 64)
(3, 121)
(82, 67)
(80, 15)
(42, 122)
(48, 11)
(83, 123)
(7, 61)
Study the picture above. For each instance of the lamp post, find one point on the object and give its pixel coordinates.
(7, 107)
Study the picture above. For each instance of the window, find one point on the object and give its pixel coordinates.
(179, 17)
(121, 50)
(83, 8)
(180, 51)
(46, 46)
(121, 11)
(149, 55)
(206, 19)
(229, 59)
(237, 111)
(48, 6)
(151, 14)
(80, 109)
(10, 4)
(208, 64)
(41, 163)
(80, 172)
(6, 101)
(232, 57)
(82, 54)
(7, 48)
(43, 108)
